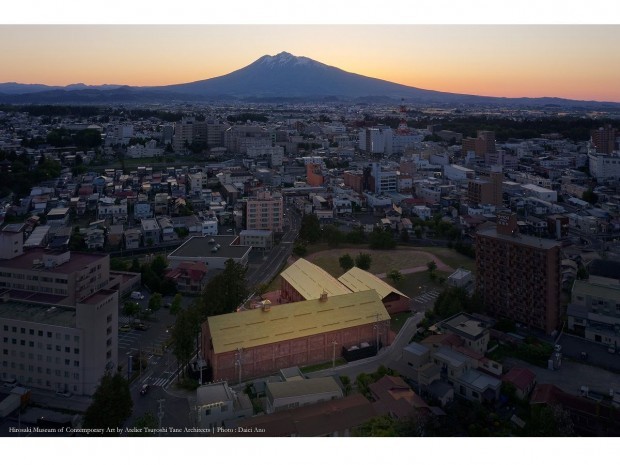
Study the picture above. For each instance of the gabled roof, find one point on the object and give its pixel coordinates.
(311, 280)
(252, 328)
(357, 280)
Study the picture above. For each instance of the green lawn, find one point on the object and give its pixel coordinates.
(450, 257)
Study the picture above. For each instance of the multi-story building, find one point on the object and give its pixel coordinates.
(58, 319)
(518, 276)
(604, 167)
(487, 190)
(604, 139)
(383, 180)
(595, 309)
(483, 143)
(376, 140)
(151, 232)
(265, 212)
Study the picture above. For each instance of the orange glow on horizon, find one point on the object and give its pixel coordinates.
(575, 62)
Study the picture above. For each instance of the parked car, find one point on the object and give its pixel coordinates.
(11, 383)
(64, 393)
(137, 295)
(144, 389)
(125, 328)
(140, 326)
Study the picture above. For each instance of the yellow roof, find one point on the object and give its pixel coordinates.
(252, 328)
(310, 280)
(357, 279)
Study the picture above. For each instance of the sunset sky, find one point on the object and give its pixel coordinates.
(571, 61)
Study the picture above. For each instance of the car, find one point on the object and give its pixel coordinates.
(137, 295)
(11, 383)
(125, 328)
(144, 389)
(229, 230)
(140, 327)
(64, 393)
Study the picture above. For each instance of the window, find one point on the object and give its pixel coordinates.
(58, 348)
(68, 349)
(31, 332)
(76, 363)
(76, 351)
(67, 361)
(40, 333)
(22, 330)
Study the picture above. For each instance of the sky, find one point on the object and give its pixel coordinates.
(529, 48)
(571, 61)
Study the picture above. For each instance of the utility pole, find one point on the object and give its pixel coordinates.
(239, 361)
(334, 354)
(129, 367)
(160, 412)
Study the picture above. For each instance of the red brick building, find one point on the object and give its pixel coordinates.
(519, 276)
(259, 342)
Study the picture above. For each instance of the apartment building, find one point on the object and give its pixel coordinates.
(265, 212)
(519, 276)
(58, 319)
(595, 308)
(604, 139)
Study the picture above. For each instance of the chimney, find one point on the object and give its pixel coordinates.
(323, 297)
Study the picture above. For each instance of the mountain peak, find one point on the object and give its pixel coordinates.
(284, 59)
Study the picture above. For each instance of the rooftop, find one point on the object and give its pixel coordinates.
(530, 241)
(200, 246)
(357, 280)
(464, 325)
(212, 393)
(38, 313)
(302, 387)
(311, 280)
(78, 261)
(252, 328)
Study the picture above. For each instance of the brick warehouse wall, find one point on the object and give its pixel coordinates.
(269, 358)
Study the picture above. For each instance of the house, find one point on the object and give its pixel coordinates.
(217, 403)
(132, 238)
(167, 229)
(394, 397)
(115, 235)
(474, 332)
(190, 277)
(151, 232)
(332, 418)
(522, 379)
(95, 238)
(300, 392)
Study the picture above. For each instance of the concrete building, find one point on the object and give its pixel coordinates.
(488, 189)
(594, 311)
(58, 319)
(252, 343)
(458, 173)
(473, 331)
(519, 276)
(548, 195)
(260, 240)
(217, 403)
(376, 140)
(604, 167)
(287, 395)
(265, 212)
(151, 232)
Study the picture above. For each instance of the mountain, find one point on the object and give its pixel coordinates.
(283, 77)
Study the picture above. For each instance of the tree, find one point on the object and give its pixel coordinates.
(346, 262)
(396, 276)
(346, 385)
(381, 239)
(431, 266)
(155, 302)
(118, 264)
(111, 405)
(363, 261)
(310, 229)
(300, 249)
(175, 306)
(589, 196)
(332, 235)
(131, 309)
(186, 328)
(226, 291)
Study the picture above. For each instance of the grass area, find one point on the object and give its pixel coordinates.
(449, 256)
(398, 321)
(322, 366)
(415, 284)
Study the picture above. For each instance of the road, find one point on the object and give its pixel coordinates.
(264, 270)
(388, 356)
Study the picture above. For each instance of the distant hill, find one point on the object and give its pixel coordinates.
(283, 77)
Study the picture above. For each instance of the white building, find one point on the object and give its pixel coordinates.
(376, 140)
(541, 193)
(258, 239)
(458, 173)
(604, 167)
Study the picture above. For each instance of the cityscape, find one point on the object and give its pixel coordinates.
(293, 249)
